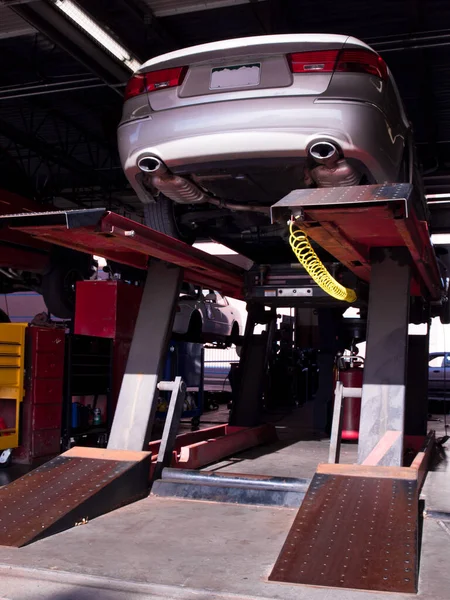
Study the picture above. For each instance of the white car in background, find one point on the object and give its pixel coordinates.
(205, 315)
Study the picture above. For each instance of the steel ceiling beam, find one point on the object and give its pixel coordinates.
(47, 151)
(135, 23)
(47, 19)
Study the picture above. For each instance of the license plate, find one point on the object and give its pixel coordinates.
(235, 77)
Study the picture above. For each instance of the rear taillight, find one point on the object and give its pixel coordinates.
(154, 80)
(327, 61)
(362, 61)
(135, 86)
(321, 61)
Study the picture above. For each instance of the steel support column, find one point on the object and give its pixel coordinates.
(329, 321)
(383, 396)
(416, 416)
(249, 387)
(136, 406)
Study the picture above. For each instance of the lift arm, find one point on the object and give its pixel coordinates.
(350, 222)
(103, 233)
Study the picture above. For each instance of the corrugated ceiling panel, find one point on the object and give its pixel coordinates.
(11, 25)
(165, 8)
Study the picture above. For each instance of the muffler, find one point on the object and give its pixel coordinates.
(182, 190)
(176, 188)
(331, 170)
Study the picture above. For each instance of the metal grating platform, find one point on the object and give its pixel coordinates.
(79, 485)
(354, 532)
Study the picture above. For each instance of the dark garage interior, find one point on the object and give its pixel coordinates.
(224, 299)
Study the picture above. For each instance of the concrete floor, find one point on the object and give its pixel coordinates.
(183, 550)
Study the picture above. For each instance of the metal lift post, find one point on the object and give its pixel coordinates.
(246, 409)
(384, 387)
(136, 406)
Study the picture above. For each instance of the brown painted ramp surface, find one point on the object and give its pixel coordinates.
(354, 532)
(79, 485)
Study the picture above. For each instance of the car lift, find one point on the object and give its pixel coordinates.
(353, 515)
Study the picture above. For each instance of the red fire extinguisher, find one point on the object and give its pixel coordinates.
(351, 373)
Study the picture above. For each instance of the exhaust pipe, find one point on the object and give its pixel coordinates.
(182, 190)
(331, 170)
(176, 188)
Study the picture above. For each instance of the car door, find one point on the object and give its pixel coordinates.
(445, 373)
(224, 317)
(436, 372)
(211, 321)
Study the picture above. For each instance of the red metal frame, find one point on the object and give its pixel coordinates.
(18, 250)
(349, 222)
(128, 242)
(199, 448)
(347, 234)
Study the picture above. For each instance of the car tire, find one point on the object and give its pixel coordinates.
(194, 332)
(58, 290)
(234, 335)
(444, 317)
(4, 318)
(161, 215)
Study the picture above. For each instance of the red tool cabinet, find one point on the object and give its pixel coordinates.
(109, 309)
(40, 433)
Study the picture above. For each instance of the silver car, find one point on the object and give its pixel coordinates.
(438, 374)
(211, 136)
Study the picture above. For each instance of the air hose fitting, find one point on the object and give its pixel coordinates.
(307, 257)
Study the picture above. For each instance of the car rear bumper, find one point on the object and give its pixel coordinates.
(262, 128)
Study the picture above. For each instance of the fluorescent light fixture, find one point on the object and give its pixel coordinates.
(163, 8)
(83, 20)
(214, 248)
(438, 196)
(351, 313)
(440, 238)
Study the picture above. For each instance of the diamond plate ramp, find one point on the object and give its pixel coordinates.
(69, 490)
(357, 528)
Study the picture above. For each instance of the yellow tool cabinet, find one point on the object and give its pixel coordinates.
(12, 373)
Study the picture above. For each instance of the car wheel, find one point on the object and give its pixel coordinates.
(194, 332)
(58, 290)
(4, 318)
(162, 216)
(234, 335)
(444, 317)
(419, 311)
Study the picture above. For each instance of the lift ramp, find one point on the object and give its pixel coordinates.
(358, 526)
(70, 490)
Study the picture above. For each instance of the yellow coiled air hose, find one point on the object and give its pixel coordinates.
(306, 256)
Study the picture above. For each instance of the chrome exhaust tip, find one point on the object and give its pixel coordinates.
(323, 152)
(149, 164)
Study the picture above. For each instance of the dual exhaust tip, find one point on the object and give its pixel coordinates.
(321, 152)
(149, 164)
(324, 152)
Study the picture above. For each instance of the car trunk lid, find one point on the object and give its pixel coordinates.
(246, 68)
